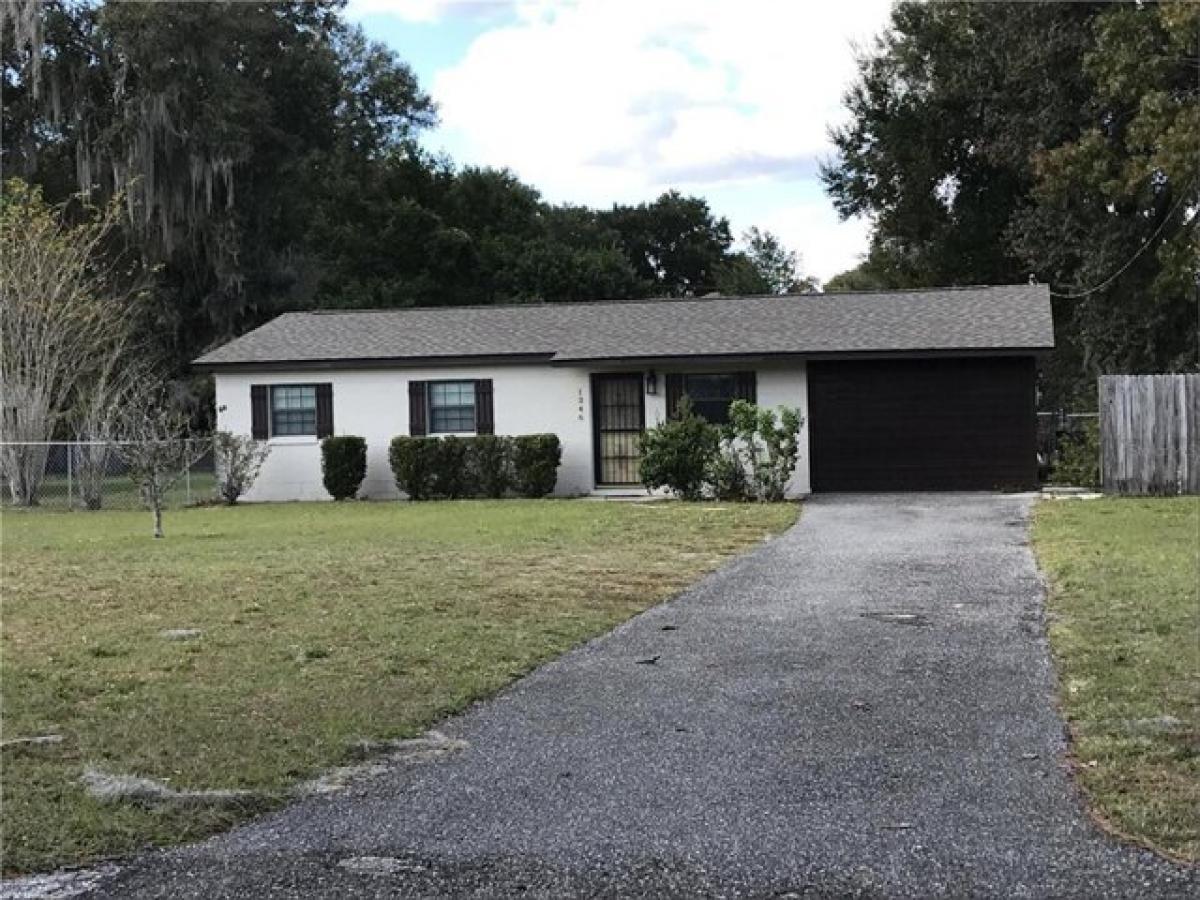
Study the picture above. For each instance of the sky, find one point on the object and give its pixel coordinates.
(598, 102)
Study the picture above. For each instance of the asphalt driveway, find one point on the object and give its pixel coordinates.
(862, 707)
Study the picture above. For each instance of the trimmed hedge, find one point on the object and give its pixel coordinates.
(490, 458)
(535, 461)
(451, 477)
(343, 465)
(412, 461)
(487, 465)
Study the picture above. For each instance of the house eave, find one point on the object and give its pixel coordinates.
(798, 356)
(373, 362)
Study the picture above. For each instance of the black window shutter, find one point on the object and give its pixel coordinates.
(674, 392)
(260, 411)
(485, 417)
(324, 410)
(416, 408)
(747, 387)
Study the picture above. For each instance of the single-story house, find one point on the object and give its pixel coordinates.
(901, 390)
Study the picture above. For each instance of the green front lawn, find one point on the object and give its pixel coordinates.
(1125, 629)
(320, 623)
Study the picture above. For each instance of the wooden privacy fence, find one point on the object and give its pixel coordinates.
(1150, 434)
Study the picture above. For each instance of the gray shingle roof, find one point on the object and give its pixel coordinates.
(1014, 317)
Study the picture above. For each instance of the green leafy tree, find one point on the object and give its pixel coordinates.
(868, 275)
(765, 266)
(1116, 207)
(675, 244)
(215, 120)
(993, 141)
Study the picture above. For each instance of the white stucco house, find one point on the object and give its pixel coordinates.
(899, 390)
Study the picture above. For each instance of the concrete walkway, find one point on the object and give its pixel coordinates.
(862, 707)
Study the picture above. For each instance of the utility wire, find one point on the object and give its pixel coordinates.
(1121, 271)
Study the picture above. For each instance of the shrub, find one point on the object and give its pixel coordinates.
(679, 453)
(1078, 461)
(239, 459)
(412, 462)
(535, 460)
(765, 444)
(727, 473)
(488, 458)
(343, 465)
(451, 477)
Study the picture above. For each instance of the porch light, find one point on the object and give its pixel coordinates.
(651, 383)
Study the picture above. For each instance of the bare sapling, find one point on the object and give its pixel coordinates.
(157, 448)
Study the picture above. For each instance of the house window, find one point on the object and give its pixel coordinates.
(293, 409)
(451, 406)
(711, 395)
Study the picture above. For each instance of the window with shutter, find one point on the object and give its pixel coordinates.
(293, 410)
(451, 407)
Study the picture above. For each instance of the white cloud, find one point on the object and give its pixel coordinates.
(602, 101)
(424, 11)
(826, 245)
(602, 94)
(599, 101)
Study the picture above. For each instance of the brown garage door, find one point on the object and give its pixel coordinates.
(923, 424)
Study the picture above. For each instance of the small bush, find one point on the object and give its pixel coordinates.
(239, 459)
(679, 453)
(727, 474)
(343, 465)
(451, 477)
(412, 461)
(535, 461)
(765, 445)
(1078, 462)
(489, 458)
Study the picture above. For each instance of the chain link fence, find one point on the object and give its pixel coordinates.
(83, 475)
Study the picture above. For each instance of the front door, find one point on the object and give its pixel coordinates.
(618, 416)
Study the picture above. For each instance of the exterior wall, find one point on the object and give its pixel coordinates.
(373, 403)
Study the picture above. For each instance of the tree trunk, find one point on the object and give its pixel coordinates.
(158, 531)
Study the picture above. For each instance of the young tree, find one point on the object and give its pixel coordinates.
(157, 448)
(766, 444)
(63, 316)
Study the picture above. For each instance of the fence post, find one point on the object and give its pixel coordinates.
(70, 504)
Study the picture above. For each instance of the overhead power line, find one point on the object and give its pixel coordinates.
(1136, 256)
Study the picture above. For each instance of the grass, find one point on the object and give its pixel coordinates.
(320, 623)
(1125, 631)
